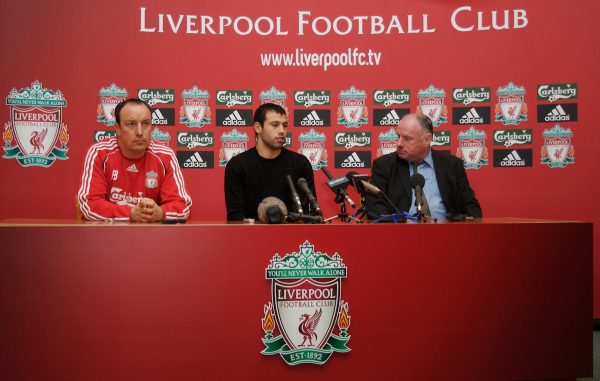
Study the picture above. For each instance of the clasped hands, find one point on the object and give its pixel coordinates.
(147, 210)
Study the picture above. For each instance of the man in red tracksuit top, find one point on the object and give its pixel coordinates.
(130, 178)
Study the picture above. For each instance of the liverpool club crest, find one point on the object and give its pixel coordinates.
(151, 179)
(307, 320)
(387, 142)
(35, 135)
(232, 143)
(312, 145)
(195, 111)
(557, 150)
(353, 109)
(110, 97)
(472, 148)
(432, 103)
(511, 108)
(160, 137)
(278, 97)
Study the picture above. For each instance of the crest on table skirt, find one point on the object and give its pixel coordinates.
(306, 320)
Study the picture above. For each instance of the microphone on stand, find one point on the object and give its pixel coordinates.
(303, 184)
(293, 217)
(417, 181)
(356, 179)
(295, 197)
(332, 183)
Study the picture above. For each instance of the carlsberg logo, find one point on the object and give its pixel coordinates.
(312, 97)
(157, 96)
(440, 138)
(555, 92)
(512, 137)
(195, 139)
(103, 134)
(234, 97)
(353, 139)
(389, 97)
(470, 94)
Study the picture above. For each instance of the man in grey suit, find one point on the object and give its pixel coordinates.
(446, 188)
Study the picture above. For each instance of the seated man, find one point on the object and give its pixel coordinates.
(130, 178)
(261, 171)
(446, 188)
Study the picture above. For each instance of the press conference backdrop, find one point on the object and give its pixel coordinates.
(511, 87)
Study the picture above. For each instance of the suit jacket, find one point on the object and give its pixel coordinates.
(390, 173)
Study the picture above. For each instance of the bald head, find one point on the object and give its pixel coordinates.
(415, 132)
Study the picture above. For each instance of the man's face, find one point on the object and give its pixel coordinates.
(272, 132)
(134, 130)
(413, 142)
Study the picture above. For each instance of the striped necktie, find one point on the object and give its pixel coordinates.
(426, 210)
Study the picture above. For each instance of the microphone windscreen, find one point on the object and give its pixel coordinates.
(272, 210)
(417, 179)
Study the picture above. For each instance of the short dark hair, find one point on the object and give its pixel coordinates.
(425, 122)
(261, 112)
(126, 102)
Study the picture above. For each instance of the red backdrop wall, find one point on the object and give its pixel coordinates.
(81, 47)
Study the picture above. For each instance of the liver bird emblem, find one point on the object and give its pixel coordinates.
(196, 114)
(472, 155)
(307, 327)
(558, 153)
(511, 110)
(37, 139)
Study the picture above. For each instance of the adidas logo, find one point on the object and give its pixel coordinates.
(471, 117)
(195, 161)
(557, 114)
(312, 119)
(391, 119)
(512, 160)
(132, 168)
(353, 161)
(234, 119)
(158, 118)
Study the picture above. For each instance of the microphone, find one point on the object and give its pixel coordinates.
(271, 210)
(340, 190)
(293, 217)
(295, 198)
(370, 188)
(417, 181)
(356, 181)
(303, 184)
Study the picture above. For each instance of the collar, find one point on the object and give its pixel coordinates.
(428, 159)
